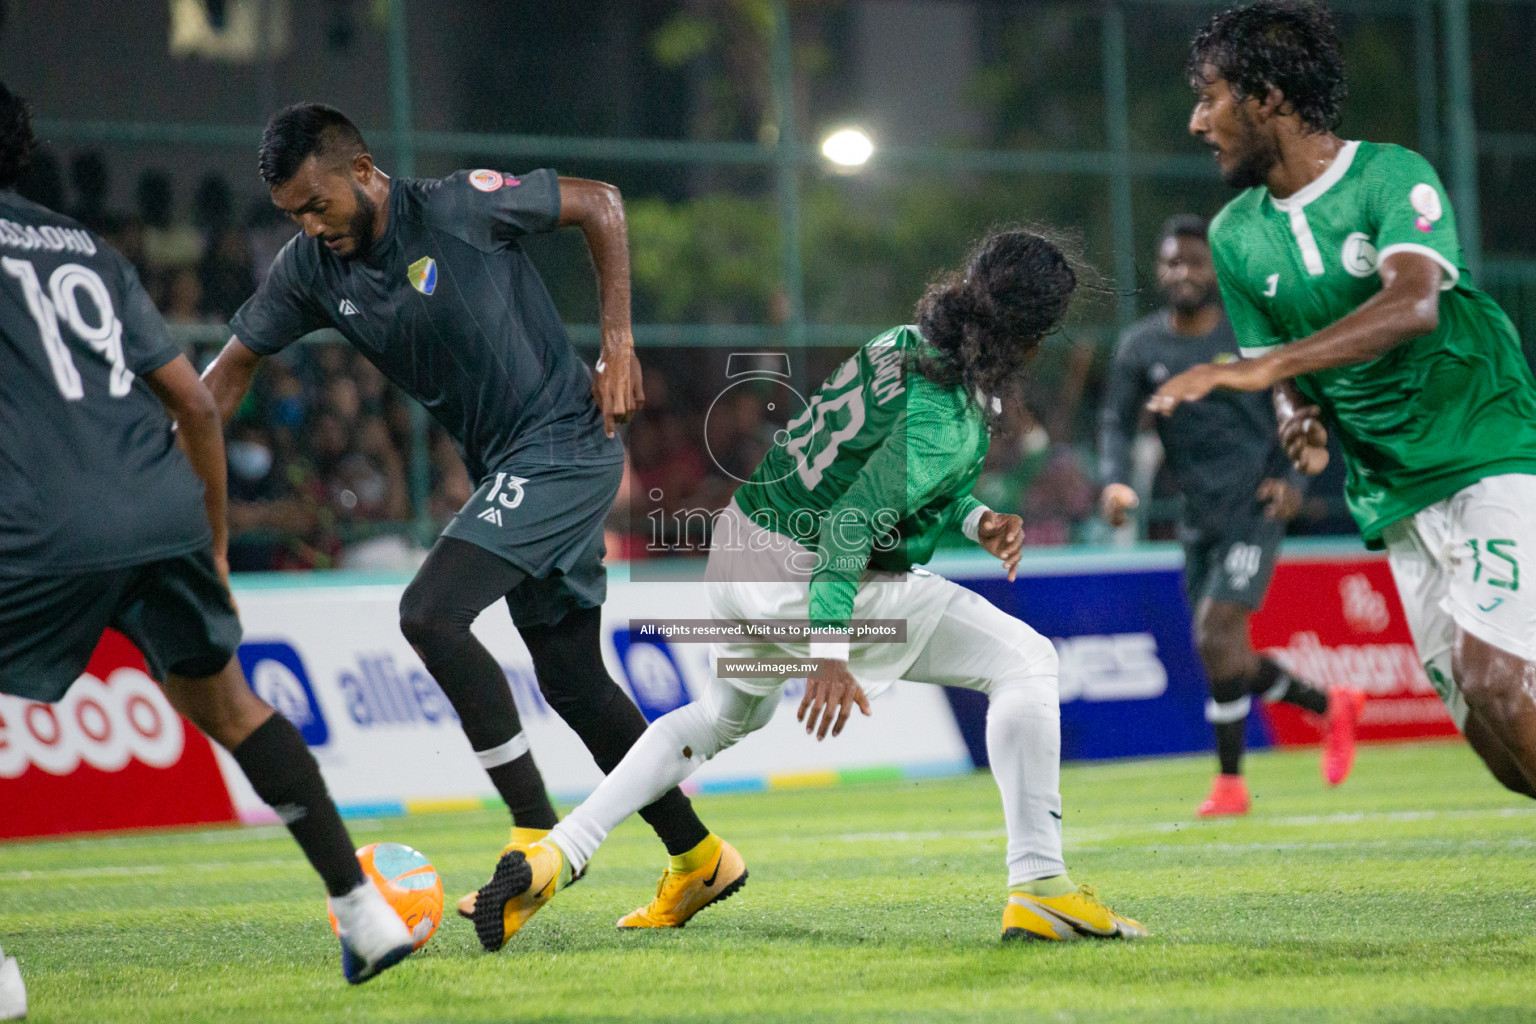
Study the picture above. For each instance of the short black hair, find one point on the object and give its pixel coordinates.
(1290, 45)
(17, 142)
(1185, 225)
(301, 131)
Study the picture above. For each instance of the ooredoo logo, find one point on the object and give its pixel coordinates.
(104, 724)
(277, 675)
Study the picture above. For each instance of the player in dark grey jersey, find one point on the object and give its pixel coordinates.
(426, 278)
(105, 520)
(1239, 490)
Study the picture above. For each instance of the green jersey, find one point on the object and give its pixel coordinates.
(876, 467)
(1433, 415)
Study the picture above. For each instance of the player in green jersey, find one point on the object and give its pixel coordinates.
(827, 530)
(1341, 271)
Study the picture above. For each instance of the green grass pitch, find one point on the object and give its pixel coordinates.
(1406, 895)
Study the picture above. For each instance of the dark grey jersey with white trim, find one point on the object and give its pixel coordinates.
(90, 474)
(449, 307)
(1218, 448)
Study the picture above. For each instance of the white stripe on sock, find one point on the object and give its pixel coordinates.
(508, 752)
(1228, 711)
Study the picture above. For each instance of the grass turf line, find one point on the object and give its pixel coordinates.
(1406, 895)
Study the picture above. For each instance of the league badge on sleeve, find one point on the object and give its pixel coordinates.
(484, 180)
(423, 275)
(1426, 203)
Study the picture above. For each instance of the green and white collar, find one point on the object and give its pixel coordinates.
(1322, 183)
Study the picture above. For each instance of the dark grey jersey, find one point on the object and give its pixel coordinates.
(90, 475)
(450, 308)
(1218, 449)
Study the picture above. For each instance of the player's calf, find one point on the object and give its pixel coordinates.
(1500, 691)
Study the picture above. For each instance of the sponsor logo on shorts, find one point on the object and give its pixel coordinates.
(485, 180)
(277, 675)
(102, 724)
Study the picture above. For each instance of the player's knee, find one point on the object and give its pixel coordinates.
(427, 627)
(1026, 659)
(1224, 656)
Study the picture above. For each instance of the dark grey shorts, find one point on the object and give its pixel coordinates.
(549, 523)
(1235, 564)
(176, 611)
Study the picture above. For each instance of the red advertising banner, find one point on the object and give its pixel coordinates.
(1339, 623)
(112, 754)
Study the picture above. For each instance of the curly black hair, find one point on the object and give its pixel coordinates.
(987, 320)
(1290, 45)
(17, 142)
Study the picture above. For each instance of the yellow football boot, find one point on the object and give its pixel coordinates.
(525, 879)
(1076, 915)
(520, 837)
(681, 894)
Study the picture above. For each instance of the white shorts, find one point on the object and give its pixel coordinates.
(1470, 561)
(750, 576)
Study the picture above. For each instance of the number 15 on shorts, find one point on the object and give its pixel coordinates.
(1494, 563)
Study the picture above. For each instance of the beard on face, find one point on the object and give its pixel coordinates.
(1256, 154)
(1188, 299)
(360, 227)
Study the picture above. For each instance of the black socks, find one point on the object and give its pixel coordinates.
(568, 659)
(1232, 698)
(285, 775)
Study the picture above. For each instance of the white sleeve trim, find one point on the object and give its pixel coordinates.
(1452, 274)
(836, 650)
(1254, 353)
(972, 525)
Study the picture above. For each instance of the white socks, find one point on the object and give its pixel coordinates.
(665, 755)
(1024, 746)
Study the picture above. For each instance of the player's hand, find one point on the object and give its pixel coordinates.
(1115, 502)
(831, 697)
(1305, 440)
(1281, 498)
(616, 382)
(1198, 381)
(1002, 535)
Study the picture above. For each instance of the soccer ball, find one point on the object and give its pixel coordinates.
(409, 883)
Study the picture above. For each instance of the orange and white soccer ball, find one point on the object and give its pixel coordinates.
(409, 883)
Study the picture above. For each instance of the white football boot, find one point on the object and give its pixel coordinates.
(13, 994)
(373, 938)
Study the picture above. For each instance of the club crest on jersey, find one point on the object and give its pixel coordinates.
(485, 180)
(1359, 256)
(423, 275)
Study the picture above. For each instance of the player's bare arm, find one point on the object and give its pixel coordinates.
(229, 377)
(1302, 433)
(201, 434)
(598, 209)
(1407, 307)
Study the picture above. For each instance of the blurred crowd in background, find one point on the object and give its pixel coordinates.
(321, 451)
